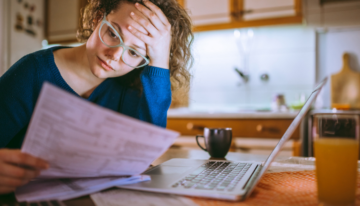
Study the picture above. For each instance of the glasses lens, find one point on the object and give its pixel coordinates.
(133, 58)
(130, 56)
(108, 36)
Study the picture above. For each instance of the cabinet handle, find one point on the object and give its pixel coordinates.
(192, 126)
(238, 14)
(261, 128)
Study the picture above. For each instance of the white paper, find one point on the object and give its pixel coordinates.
(63, 189)
(81, 139)
(122, 197)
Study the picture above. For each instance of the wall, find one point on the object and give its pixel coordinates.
(331, 46)
(3, 35)
(20, 42)
(286, 53)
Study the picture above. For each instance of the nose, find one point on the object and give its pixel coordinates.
(114, 53)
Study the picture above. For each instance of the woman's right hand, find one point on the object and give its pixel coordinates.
(17, 168)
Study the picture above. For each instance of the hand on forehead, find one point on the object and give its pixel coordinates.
(122, 15)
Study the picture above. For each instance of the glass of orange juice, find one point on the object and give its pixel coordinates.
(336, 149)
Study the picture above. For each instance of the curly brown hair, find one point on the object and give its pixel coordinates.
(182, 38)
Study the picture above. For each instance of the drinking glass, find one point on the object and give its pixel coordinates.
(336, 148)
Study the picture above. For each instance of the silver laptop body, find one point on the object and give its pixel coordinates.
(186, 176)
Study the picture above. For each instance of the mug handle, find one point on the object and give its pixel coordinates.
(197, 141)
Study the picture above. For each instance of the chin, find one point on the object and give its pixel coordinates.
(99, 73)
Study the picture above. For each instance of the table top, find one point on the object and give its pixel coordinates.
(185, 113)
(177, 153)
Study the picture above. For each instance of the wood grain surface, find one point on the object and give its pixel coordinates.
(345, 87)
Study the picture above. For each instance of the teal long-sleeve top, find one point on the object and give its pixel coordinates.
(21, 84)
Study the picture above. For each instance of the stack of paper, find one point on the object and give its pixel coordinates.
(80, 139)
(63, 189)
(121, 197)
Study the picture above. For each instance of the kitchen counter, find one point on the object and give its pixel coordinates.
(228, 114)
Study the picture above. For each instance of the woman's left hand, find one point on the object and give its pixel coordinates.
(158, 39)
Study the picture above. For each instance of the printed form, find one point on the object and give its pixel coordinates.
(81, 139)
(64, 189)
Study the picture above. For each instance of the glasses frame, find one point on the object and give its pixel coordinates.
(125, 48)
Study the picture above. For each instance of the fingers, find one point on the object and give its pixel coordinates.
(137, 26)
(17, 157)
(12, 182)
(13, 171)
(17, 168)
(143, 37)
(154, 21)
(143, 22)
(152, 16)
(6, 189)
(158, 12)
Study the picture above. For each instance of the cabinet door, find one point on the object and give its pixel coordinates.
(63, 20)
(205, 12)
(321, 13)
(209, 15)
(263, 128)
(262, 9)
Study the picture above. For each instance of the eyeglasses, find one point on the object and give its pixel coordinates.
(111, 38)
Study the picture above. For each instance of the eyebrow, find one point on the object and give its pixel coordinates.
(122, 36)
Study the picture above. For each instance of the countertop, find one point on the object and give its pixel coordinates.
(229, 114)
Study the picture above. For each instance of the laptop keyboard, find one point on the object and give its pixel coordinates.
(215, 176)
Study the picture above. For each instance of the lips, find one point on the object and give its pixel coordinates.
(105, 65)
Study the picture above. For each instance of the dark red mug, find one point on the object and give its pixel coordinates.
(217, 141)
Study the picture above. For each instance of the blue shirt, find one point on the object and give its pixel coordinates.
(21, 84)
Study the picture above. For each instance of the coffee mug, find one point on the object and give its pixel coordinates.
(217, 141)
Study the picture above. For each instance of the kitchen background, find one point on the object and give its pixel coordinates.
(277, 52)
(293, 57)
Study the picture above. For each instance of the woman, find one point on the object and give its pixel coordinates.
(132, 49)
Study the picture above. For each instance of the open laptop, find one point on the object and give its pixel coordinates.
(219, 179)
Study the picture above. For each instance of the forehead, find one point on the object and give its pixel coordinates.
(121, 16)
(122, 13)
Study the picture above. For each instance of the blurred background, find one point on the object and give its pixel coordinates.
(254, 60)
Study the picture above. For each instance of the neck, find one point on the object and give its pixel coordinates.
(81, 65)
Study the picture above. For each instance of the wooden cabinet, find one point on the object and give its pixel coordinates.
(263, 9)
(331, 13)
(265, 128)
(255, 136)
(226, 14)
(205, 12)
(62, 20)
(63, 15)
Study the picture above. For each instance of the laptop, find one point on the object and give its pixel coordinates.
(218, 179)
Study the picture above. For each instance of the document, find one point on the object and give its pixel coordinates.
(63, 189)
(81, 139)
(121, 197)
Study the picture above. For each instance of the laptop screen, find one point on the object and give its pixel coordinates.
(288, 133)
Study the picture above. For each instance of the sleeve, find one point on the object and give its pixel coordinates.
(152, 104)
(17, 98)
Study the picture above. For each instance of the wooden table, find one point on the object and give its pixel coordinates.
(169, 154)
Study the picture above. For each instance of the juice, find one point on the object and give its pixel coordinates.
(336, 169)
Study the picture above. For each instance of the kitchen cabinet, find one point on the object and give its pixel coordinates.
(203, 12)
(262, 9)
(259, 135)
(265, 128)
(226, 14)
(331, 13)
(62, 18)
